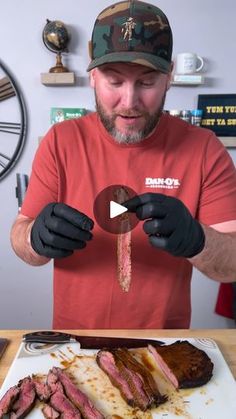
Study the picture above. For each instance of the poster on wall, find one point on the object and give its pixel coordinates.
(62, 114)
(219, 113)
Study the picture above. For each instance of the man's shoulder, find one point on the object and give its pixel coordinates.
(183, 132)
(76, 130)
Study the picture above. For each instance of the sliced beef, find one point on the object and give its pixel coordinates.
(76, 396)
(124, 268)
(49, 412)
(26, 400)
(43, 390)
(114, 369)
(52, 378)
(61, 404)
(53, 382)
(183, 364)
(8, 399)
(134, 381)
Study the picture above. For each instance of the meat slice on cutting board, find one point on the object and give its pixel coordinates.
(43, 390)
(26, 400)
(61, 404)
(134, 381)
(76, 396)
(183, 364)
(49, 412)
(8, 399)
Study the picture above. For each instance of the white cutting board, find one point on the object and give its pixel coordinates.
(215, 400)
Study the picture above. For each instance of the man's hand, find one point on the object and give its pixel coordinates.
(170, 225)
(59, 230)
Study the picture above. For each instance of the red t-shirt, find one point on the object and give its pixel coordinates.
(225, 301)
(74, 162)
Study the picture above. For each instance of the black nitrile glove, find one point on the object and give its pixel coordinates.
(59, 230)
(170, 226)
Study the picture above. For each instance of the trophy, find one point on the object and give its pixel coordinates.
(56, 39)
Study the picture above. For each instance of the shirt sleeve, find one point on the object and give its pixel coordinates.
(218, 195)
(43, 182)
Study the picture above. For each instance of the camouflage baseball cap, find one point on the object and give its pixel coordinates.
(132, 31)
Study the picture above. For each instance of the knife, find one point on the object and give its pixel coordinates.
(89, 342)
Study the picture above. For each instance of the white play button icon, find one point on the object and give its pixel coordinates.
(109, 208)
(116, 209)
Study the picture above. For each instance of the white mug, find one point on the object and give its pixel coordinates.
(188, 63)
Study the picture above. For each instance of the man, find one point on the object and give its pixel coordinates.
(189, 213)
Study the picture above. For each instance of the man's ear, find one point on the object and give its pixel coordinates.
(92, 77)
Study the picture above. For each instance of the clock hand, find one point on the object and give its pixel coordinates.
(5, 126)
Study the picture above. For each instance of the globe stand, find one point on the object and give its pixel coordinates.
(59, 67)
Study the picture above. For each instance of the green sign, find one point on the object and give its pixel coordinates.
(62, 114)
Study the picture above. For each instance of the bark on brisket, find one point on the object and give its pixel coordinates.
(26, 400)
(77, 397)
(8, 399)
(134, 381)
(184, 364)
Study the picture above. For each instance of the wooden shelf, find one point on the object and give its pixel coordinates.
(187, 80)
(55, 79)
(228, 141)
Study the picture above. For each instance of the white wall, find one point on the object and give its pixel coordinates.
(204, 26)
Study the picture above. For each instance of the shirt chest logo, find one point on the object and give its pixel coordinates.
(163, 183)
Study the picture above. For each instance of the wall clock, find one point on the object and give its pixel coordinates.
(13, 121)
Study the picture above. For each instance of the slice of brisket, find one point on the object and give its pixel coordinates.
(124, 270)
(134, 381)
(183, 364)
(49, 412)
(43, 390)
(26, 401)
(8, 399)
(61, 404)
(53, 382)
(76, 396)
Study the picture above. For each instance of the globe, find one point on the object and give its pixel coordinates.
(56, 39)
(56, 36)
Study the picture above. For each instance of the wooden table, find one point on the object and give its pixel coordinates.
(225, 338)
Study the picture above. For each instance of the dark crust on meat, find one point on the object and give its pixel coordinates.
(191, 366)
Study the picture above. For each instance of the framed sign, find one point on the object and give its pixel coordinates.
(219, 113)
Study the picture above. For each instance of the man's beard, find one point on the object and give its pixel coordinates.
(134, 136)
